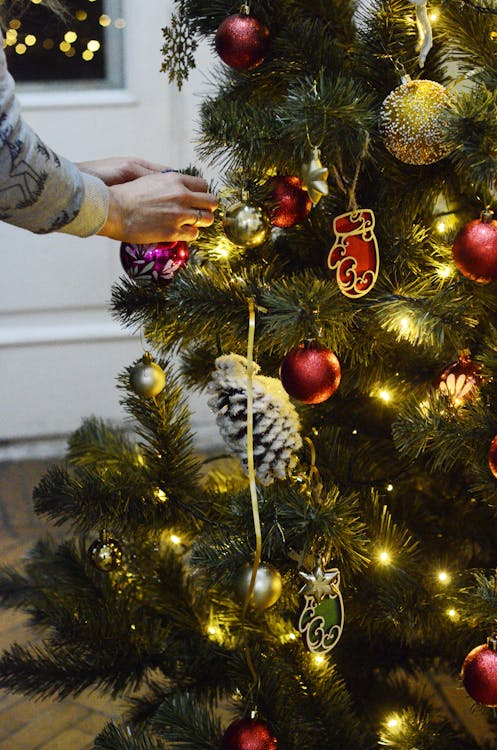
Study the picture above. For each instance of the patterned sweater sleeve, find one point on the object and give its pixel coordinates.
(39, 190)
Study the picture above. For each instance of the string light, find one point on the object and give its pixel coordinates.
(160, 496)
(389, 488)
(318, 660)
(452, 614)
(393, 722)
(444, 272)
(385, 395)
(70, 36)
(443, 577)
(93, 45)
(385, 557)
(105, 20)
(175, 539)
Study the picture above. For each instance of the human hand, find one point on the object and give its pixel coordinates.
(118, 169)
(159, 207)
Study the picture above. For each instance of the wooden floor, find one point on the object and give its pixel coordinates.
(25, 724)
(74, 723)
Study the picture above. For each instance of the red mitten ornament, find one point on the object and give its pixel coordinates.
(355, 254)
(475, 249)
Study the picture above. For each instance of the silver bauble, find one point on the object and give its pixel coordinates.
(267, 588)
(246, 225)
(146, 378)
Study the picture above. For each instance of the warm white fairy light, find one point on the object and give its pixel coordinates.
(93, 45)
(444, 272)
(393, 722)
(389, 488)
(318, 660)
(443, 576)
(385, 557)
(175, 539)
(452, 614)
(70, 36)
(385, 395)
(434, 16)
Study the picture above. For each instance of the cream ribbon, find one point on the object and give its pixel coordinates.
(425, 36)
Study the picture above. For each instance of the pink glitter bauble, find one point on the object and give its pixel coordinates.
(156, 263)
(479, 675)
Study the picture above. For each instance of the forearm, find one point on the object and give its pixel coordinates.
(39, 190)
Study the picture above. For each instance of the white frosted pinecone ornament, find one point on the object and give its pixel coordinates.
(276, 422)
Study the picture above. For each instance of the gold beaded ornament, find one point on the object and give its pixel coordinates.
(413, 120)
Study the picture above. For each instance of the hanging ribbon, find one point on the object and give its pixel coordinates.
(425, 36)
(250, 454)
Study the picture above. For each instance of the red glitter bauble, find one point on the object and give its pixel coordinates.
(459, 381)
(475, 250)
(291, 203)
(492, 457)
(479, 675)
(155, 263)
(310, 373)
(249, 734)
(242, 42)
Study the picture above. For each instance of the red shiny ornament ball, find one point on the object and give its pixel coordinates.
(249, 734)
(475, 250)
(291, 203)
(156, 263)
(242, 42)
(310, 373)
(479, 675)
(492, 457)
(459, 381)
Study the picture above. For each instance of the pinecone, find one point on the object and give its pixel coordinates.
(276, 422)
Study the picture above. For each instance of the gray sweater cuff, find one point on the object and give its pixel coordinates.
(94, 207)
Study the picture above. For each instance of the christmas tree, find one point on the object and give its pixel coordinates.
(339, 319)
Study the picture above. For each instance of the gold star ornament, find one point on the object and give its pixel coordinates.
(314, 177)
(321, 582)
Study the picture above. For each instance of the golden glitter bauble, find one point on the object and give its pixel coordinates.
(413, 122)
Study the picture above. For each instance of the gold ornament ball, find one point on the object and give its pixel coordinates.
(105, 555)
(413, 122)
(246, 225)
(146, 378)
(267, 588)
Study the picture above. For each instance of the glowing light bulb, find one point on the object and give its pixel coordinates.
(70, 36)
(175, 539)
(105, 20)
(20, 49)
(292, 636)
(385, 395)
(87, 55)
(434, 16)
(441, 227)
(81, 15)
(384, 557)
(93, 45)
(451, 613)
(393, 722)
(30, 40)
(211, 630)
(318, 659)
(161, 496)
(389, 487)
(404, 324)
(443, 576)
(444, 272)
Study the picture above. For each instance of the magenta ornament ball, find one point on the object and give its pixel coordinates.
(156, 263)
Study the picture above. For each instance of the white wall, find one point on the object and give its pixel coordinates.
(60, 349)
